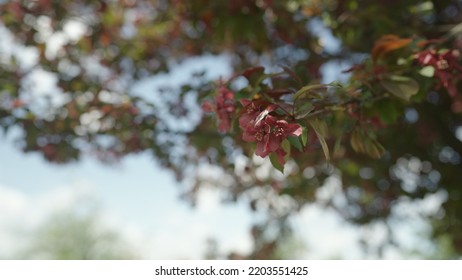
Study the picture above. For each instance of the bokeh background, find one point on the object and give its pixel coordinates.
(106, 154)
(133, 209)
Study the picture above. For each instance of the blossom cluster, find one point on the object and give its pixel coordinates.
(268, 131)
(446, 67)
(223, 107)
(257, 120)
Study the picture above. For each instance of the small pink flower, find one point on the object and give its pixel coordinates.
(223, 107)
(254, 111)
(266, 130)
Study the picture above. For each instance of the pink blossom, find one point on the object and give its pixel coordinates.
(446, 66)
(254, 111)
(268, 132)
(223, 107)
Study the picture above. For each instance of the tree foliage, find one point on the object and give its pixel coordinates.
(70, 236)
(389, 131)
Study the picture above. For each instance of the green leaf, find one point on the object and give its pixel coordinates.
(304, 136)
(365, 143)
(457, 29)
(324, 146)
(302, 107)
(304, 97)
(274, 158)
(400, 86)
(286, 147)
(402, 61)
(374, 149)
(253, 74)
(295, 142)
(389, 111)
(427, 71)
(320, 128)
(356, 141)
(309, 91)
(335, 84)
(275, 162)
(337, 145)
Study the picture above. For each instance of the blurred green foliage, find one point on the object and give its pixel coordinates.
(69, 235)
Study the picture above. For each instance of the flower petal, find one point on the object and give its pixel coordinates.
(245, 102)
(260, 150)
(293, 129)
(249, 137)
(274, 143)
(246, 120)
(281, 154)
